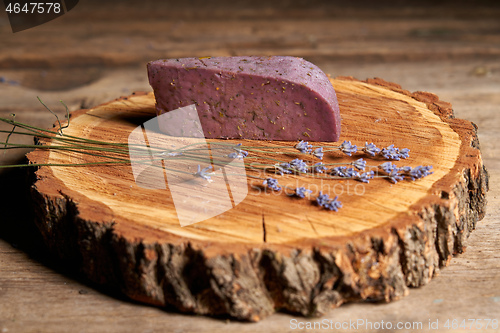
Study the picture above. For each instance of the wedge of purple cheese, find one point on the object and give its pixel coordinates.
(269, 98)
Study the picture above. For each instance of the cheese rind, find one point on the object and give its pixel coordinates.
(270, 98)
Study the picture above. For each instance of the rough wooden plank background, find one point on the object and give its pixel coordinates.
(98, 52)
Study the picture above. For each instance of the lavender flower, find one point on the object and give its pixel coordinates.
(338, 171)
(420, 172)
(405, 169)
(299, 165)
(351, 173)
(388, 167)
(390, 153)
(333, 204)
(395, 176)
(272, 184)
(347, 148)
(322, 199)
(239, 153)
(301, 192)
(318, 152)
(282, 168)
(365, 177)
(319, 167)
(342, 171)
(204, 173)
(371, 149)
(359, 164)
(304, 147)
(393, 153)
(404, 153)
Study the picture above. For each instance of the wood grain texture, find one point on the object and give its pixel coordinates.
(268, 252)
(321, 30)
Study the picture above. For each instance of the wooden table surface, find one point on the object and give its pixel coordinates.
(98, 51)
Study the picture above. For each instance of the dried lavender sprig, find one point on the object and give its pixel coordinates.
(393, 153)
(318, 152)
(359, 164)
(390, 152)
(299, 165)
(323, 200)
(239, 153)
(366, 176)
(387, 167)
(282, 168)
(319, 167)
(404, 153)
(203, 173)
(302, 167)
(301, 192)
(348, 148)
(371, 149)
(393, 173)
(272, 183)
(304, 147)
(420, 172)
(334, 204)
(67, 115)
(344, 172)
(396, 174)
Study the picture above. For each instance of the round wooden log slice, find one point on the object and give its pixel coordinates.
(268, 250)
